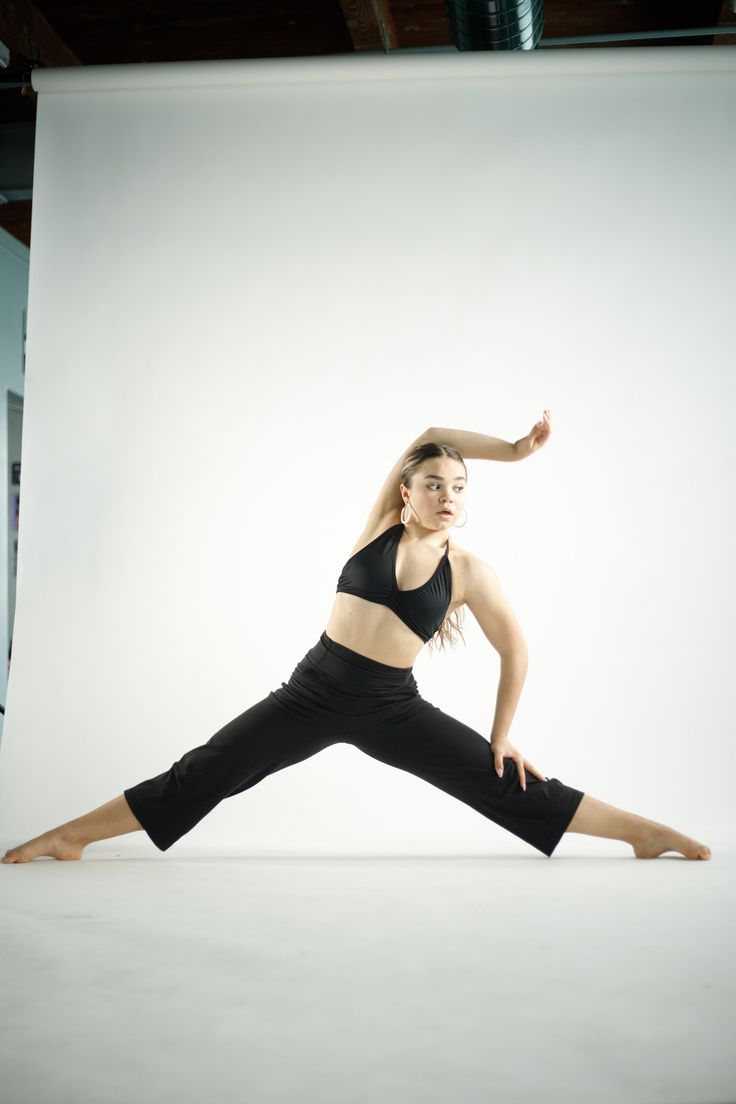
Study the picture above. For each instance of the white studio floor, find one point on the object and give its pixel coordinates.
(590, 976)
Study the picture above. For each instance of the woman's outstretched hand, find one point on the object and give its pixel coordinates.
(502, 749)
(537, 436)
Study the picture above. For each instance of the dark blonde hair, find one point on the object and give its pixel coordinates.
(414, 459)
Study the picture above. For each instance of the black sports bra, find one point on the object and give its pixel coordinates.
(371, 574)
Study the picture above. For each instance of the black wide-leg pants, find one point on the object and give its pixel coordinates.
(336, 695)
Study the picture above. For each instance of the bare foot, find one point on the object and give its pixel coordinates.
(656, 838)
(57, 843)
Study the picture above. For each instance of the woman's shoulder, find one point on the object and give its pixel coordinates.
(467, 569)
(466, 560)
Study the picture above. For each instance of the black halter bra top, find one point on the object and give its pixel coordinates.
(371, 574)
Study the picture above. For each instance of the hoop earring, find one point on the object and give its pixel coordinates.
(405, 521)
(456, 526)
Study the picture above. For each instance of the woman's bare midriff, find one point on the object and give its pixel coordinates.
(374, 630)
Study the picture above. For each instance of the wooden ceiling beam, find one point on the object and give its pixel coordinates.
(370, 24)
(26, 32)
(15, 217)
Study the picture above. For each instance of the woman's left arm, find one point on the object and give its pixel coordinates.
(485, 599)
(478, 446)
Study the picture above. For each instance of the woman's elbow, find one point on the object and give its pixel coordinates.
(515, 650)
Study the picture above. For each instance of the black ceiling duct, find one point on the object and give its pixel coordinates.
(495, 24)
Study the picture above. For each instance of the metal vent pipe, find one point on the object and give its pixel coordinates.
(495, 24)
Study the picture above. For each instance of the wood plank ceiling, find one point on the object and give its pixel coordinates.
(85, 32)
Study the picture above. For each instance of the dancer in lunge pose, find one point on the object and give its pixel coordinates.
(403, 585)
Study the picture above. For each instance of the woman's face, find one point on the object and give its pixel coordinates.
(438, 485)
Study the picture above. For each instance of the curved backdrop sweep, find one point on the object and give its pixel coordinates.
(251, 285)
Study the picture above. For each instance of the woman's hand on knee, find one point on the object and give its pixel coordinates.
(502, 749)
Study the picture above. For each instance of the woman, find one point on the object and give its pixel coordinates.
(401, 587)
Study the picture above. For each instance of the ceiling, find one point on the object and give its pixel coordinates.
(85, 32)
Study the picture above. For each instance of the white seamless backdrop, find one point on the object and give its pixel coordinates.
(251, 285)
